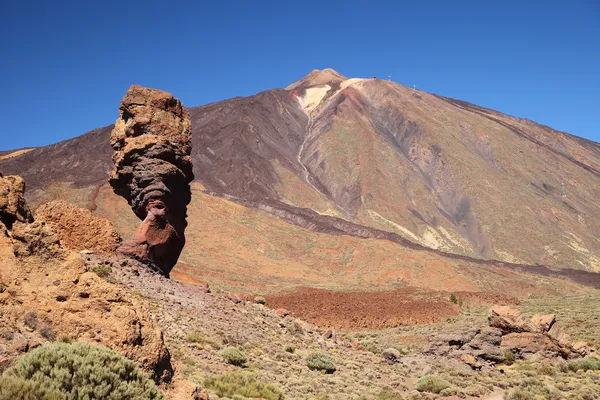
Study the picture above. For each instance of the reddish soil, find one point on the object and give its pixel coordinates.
(349, 310)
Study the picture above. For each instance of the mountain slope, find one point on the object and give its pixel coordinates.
(438, 172)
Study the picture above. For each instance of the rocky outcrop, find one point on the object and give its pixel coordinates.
(12, 201)
(540, 335)
(508, 320)
(46, 300)
(509, 330)
(477, 348)
(153, 169)
(78, 228)
(36, 239)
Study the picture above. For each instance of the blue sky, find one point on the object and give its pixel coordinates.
(66, 65)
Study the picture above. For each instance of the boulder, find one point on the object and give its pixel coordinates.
(508, 320)
(543, 322)
(153, 169)
(282, 312)
(79, 229)
(391, 355)
(12, 201)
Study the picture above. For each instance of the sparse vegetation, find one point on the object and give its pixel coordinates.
(453, 298)
(532, 388)
(260, 300)
(432, 384)
(102, 270)
(321, 361)
(590, 363)
(234, 356)
(202, 340)
(239, 383)
(509, 357)
(80, 371)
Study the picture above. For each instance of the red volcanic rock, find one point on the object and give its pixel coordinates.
(153, 169)
(282, 312)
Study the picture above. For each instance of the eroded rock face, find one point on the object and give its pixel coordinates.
(508, 320)
(36, 239)
(78, 228)
(12, 201)
(152, 143)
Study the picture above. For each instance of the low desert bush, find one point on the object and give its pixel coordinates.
(546, 369)
(260, 300)
(239, 383)
(589, 363)
(453, 298)
(532, 388)
(509, 357)
(203, 340)
(12, 387)
(102, 270)
(321, 362)
(234, 356)
(432, 384)
(81, 371)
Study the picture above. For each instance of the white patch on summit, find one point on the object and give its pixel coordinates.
(313, 97)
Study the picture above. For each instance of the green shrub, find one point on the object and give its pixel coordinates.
(12, 387)
(243, 384)
(321, 362)
(432, 384)
(260, 300)
(509, 357)
(589, 363)
(233, 356)
(102, 270)
(453, 298)
(83, 371)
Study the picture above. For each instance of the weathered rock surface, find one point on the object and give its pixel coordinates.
(391, 355)
(509, 330)
(152, 143)
(36, 239)
(525, 344)
(508, 320)
(78, 228)
(56, 298)
(543, 322)
(12, 201)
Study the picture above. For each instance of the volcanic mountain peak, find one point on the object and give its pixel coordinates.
(318, 77)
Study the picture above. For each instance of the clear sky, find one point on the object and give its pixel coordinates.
(66, 65)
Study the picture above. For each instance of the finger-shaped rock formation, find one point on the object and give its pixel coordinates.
(152, 143)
